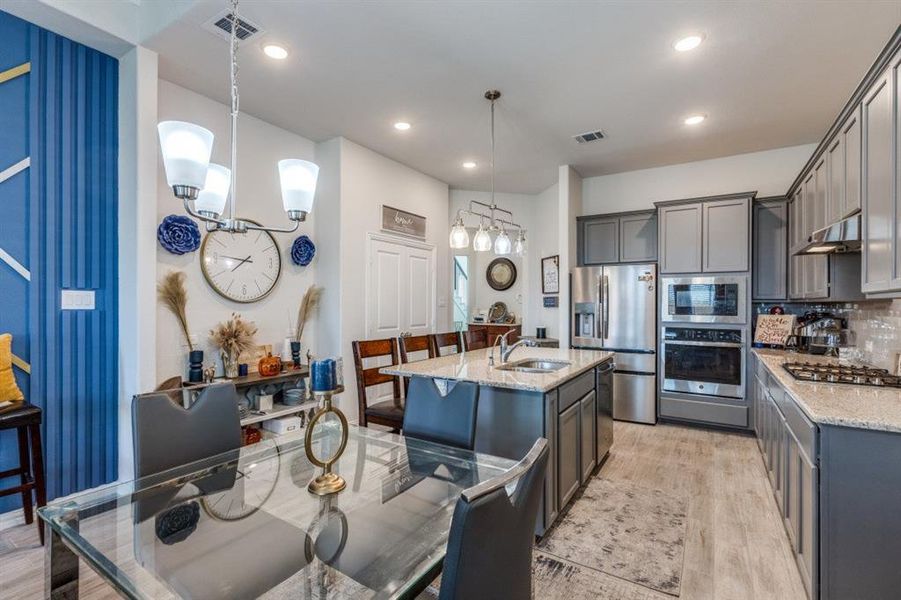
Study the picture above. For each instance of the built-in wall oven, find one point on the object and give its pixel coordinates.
(704, 300)
(708, 362)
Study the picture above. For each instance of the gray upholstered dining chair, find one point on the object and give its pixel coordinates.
(489, 547)
(448, 420)
(167, 435)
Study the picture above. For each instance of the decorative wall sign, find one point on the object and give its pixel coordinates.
(773, 329)
(550, 274)
(178, 234)
(302, 251)
(551, 301)
(501, 274)
(403, 222)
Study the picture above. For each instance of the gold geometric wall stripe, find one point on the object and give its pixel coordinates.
(18, 362)
(15, 72)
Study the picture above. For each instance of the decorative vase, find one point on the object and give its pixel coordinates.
(295, 354)
(230, 365)
(195, 360)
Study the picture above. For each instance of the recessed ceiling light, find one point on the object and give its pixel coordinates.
(275, 51)
(469, 165)
(694, 119)
(401, 126)
(688, 42)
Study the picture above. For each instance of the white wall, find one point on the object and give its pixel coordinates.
(770, 172)
(543, 241)
(569, 201)
(260, 147)
(367, 181)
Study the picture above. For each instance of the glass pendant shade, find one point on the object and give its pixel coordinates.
(298, 179)
(186, 153)
(502, 244)
(459, 237)
(481, 241)
(214, 194)
(519, 246)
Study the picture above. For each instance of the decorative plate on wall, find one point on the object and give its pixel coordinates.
(501, 274)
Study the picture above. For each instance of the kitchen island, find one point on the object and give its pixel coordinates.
(569, 402)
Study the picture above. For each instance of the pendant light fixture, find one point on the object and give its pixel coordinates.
(204, 188)
(497, 223)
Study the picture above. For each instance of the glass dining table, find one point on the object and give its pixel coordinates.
(243, 525)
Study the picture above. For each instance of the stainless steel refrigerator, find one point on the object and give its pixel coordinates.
(615, 308)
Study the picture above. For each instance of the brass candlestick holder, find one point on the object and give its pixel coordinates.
(327, 482)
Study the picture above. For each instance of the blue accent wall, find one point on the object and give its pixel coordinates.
(63, 224)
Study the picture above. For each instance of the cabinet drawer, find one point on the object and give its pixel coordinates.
(706, 412)
(574, 390)
(802, 428)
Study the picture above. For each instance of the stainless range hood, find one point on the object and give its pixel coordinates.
(843, 236)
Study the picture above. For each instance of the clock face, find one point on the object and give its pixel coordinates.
(243, 267)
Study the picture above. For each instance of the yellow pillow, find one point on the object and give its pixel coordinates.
(8, 388)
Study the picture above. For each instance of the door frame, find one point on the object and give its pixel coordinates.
(409, 243)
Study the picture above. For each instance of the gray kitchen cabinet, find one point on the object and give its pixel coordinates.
(835, 173)
(851, 142)
(795, 270)
(680, 238)
(806, 494)
(599, 241)
(588, 406)
(877, 173)
(569, 446)
(617, 238)
(638, 237)
(726, 231)
(770, 248)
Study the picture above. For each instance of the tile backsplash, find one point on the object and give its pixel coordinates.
(875, 323)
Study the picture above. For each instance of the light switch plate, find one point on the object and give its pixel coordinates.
(77, 300)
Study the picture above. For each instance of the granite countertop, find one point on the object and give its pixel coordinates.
(473, 366)
(844, 405)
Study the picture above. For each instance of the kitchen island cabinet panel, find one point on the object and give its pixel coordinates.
(568, 448)
(588, 406)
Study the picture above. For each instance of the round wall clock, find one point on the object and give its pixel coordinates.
(243, 267)
(501, 274)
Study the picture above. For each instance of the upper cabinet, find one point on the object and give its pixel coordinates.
(617, 238)
(705, 235)
(770, 230)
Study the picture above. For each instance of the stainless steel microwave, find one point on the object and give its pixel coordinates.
(704, 300)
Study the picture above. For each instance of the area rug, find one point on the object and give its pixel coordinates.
(556, 579)
(627, 531)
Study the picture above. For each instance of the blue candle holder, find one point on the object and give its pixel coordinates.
(323, 375)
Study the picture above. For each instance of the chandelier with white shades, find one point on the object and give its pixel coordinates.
(481, 242)
(204, 187)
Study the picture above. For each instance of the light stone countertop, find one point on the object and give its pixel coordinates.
(473, 366)
(841, 404)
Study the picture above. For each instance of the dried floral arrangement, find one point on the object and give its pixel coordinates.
(172, 293)
(308, 306)
(233, 337)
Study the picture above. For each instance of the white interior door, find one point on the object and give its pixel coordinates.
(400, 294)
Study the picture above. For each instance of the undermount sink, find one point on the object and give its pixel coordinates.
(531, 365)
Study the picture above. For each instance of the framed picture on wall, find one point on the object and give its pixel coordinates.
(550, 274)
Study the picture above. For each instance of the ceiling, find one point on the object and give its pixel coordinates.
(769, 75)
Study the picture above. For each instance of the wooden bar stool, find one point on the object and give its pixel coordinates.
(450, 340)
(389, 412)
(25, 418)
(475, 339)
(411, 344)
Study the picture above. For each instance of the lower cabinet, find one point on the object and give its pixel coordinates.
(588, 406)
(568, 449)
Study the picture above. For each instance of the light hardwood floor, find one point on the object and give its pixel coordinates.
(735, 546)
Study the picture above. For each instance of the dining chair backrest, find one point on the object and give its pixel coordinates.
(475, 339)
(369, 376)
(449, 419)
(167, 435)
(489, 547)
(451, 342)
(412, 344)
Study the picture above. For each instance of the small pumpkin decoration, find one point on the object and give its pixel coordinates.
(270, 365)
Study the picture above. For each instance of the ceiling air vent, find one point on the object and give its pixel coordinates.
(221, 25)
(589, 136)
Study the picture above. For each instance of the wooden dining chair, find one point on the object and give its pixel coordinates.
(445, 419)
(388, 412)
(446, 341)
(475, 339)
(489, 546)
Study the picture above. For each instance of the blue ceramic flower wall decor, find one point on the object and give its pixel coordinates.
(178, 234)
(302, 251)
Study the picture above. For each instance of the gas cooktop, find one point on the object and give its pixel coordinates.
(809, 371)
